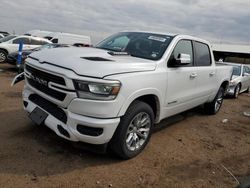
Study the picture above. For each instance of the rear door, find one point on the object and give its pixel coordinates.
(181, 80)
(245, 78)
(206, 74)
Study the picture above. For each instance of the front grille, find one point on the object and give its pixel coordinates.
(50, 107)
(46, 77)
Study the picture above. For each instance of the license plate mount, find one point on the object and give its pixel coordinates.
(38, 116)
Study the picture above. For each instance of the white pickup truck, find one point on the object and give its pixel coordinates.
(114, 93)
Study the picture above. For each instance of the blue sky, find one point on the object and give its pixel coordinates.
(226, 21)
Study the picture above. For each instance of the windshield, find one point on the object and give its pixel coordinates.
(143, 45)
(236, 70)
(5, 39)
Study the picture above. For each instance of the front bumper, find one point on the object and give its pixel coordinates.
(69, 129)
(230, 90)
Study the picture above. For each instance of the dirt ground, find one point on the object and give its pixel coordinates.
(188, 150)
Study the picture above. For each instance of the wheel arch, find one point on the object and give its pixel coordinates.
(225, 85)
(149, 97)
(4, 49)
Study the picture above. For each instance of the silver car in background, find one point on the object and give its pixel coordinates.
(240, 80)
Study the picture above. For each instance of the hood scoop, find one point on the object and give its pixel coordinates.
(96, 59)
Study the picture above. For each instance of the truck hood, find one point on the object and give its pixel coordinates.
(93, 62)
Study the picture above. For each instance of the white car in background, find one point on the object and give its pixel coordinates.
(10, 44)
(240, 80)
(62, 38)
(1, 36)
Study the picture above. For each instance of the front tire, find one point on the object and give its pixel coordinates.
(3, 56)
(214, 106)
(134, 131)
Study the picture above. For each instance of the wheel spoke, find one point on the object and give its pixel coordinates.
(145, 123)
(143, 130)
(141, 135)
(129, 138)
(219, 101)
(138, 120)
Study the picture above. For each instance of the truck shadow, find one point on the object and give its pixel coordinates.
(179, 117)
(27, 149)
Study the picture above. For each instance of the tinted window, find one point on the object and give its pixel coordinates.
(182, 47)
(143, 45)
(7, 38)
(236, 70)
(246, 70)
(24, 40)
(54, 41)
(202, 54)
(37, 42)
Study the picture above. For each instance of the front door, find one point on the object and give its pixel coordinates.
(181, 81)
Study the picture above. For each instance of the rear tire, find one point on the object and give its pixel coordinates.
(3, 56)
(134, 131)
(214, 106)
(236, 91)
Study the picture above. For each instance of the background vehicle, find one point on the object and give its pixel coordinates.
(240, 80)
(67, 38)
(4, 33)
(62, 38)
(1, 36)
(12, 57)
(10, 44)
(114, 94)
(38, 33)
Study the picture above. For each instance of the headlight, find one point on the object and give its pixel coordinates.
(97, 91)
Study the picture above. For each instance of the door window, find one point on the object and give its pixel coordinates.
(182, 47)
(21, 39)
(37, 42)
(246, 70)
(202, 54)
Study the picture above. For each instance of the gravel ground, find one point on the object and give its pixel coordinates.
(188, 150)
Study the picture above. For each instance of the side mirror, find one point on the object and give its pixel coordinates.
(183, 59)
(246, 74)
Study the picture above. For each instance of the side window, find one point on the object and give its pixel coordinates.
(24, 40)
(202, 54)
(246, 70)
(182, 47)
(37, 42)
(55, 40)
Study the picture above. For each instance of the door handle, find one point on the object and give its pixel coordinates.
(211, 73)
(193, 75)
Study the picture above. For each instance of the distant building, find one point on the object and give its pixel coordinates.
(232, 53)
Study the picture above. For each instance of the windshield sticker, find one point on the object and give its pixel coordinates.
(161, 39)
